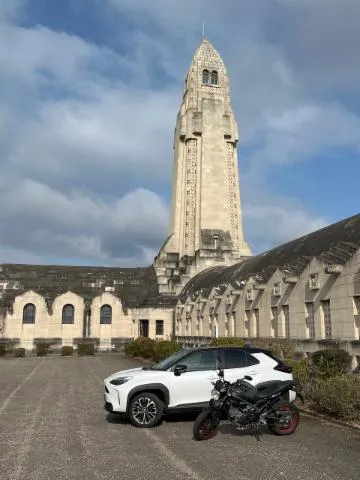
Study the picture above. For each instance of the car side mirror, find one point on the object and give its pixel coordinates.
(179, 369)
(247, 377)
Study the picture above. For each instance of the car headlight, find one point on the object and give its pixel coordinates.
(120, 380)
(215, 395)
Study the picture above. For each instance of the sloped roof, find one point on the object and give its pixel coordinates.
(334, 244)
(134, 286)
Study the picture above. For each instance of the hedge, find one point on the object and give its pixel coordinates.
(19, 352)
(42, 349)
(325, 384)
(331, 362)
(67, 350)
(280, 347)
(337, 396)
(148, 348)
(86, 349)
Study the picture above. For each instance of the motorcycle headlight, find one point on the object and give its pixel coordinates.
(120, 380)
(215, 395)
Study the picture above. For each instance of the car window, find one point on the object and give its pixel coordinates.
(235, 358)
(200, 360)
(251, 360)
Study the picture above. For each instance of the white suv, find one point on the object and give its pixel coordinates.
(182, 382)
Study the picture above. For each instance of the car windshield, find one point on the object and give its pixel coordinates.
(170, 361)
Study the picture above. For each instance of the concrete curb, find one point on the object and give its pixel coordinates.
(310, 413)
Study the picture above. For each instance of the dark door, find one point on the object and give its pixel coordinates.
(144, 328)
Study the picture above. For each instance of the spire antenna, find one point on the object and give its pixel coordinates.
(203, 29)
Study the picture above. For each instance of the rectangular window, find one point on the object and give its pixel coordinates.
(248, 323)
(159, 327)
(257, 322)
(286, 314)
(274, 322)
(357, 315)
(310, 319)
(325, 305)
(357, 304)
(143, 328)
(235, 358)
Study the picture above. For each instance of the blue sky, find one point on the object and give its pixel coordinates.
(89, 93)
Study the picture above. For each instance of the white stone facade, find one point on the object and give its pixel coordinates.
(206, 226)
(307, 290)
(86, 322)
(318, 308)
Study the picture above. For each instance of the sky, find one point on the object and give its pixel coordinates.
(89, 93)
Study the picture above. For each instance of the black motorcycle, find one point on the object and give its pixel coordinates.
(248, 407)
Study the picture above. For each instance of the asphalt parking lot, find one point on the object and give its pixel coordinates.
(53, 426)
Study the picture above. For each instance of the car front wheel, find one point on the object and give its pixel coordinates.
(145, 410)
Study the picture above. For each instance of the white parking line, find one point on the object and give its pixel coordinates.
(176, 462)
(8, 399)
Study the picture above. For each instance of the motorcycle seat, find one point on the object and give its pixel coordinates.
(267, 389)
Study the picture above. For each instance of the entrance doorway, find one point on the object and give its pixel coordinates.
(143, 328)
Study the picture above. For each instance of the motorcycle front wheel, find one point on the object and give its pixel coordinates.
(288, 418)
(206, 425)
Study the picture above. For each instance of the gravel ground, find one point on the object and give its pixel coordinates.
(53, 426)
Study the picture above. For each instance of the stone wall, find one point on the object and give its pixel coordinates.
(49, 325)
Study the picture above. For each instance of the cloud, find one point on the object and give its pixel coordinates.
(86, 128)
(273, 224)
(48, 222)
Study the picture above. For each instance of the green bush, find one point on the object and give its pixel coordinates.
(330, 362)
(19, 352)
(164, 349)
(279, 347)
(42, 349)
(2, 350)
(141, 347)
(301, 372)
(228, 341)
(337, 396)
(86, 349)
(67, 351)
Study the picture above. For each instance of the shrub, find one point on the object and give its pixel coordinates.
(42, 349)
(165, 348)
(279, 347)
(301, 372)
(19, 352)
(2, 350)
(66, 351)
(141, 347)
(337, 396)
(330, 362)
(86, 349)
(228, 341)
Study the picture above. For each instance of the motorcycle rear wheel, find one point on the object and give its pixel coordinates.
(206, 425)
(289, 427)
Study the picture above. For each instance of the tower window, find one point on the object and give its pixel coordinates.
(206, 76)
(214, 78)
(210, 78)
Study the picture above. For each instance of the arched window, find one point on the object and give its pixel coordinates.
(214, 78)
(68, 314)
(206, 76)
(105, 315)
(29, 313)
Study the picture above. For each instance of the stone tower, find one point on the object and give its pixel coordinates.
(206, 227)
